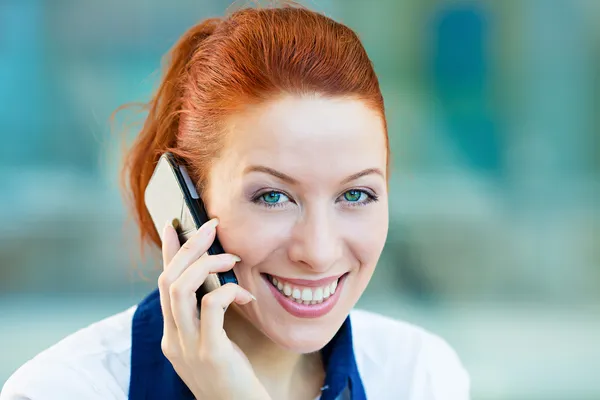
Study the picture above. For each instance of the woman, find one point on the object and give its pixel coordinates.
(279, 114)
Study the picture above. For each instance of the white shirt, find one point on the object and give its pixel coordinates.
(396, 360)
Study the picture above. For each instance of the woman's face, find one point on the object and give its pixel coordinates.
(300, 192)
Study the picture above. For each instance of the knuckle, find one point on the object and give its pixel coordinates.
(230, 286)
(164, 281)
(209, 301)
(175, 290)
(170, 350)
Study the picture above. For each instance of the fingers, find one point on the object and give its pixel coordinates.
(212, 313)
(183, 292)
(191, 250)
(185, 270)
(170, 246)
(176, 259)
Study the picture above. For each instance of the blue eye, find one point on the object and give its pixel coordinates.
(271, 197)
(357, 197)
(353, 195)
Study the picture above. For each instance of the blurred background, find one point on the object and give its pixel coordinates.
(494, 119)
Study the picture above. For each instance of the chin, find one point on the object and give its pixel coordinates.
(301, 337)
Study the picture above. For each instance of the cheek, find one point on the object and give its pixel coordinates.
(365, 245)
(366, 236)
(249, 235)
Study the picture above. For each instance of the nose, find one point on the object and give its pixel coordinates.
(315, 241)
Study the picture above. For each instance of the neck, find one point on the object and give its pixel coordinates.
(284, 373)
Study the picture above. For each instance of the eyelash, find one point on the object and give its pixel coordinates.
(257, 198)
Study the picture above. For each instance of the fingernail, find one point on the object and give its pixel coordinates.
(208, 227)
(236, 258)
(213, 223)
(252, 296)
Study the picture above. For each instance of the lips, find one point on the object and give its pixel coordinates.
(305, 301)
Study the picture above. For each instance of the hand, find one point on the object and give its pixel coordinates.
(210, 364)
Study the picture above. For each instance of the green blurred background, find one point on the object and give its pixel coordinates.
(494, 119)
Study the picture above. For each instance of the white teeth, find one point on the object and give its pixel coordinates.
(305, 295)
(318, 294)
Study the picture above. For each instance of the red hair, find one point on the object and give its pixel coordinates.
(220, 65)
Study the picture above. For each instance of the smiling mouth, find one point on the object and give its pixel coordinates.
(302, 294)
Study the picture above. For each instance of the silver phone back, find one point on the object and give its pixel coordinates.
(165, 202)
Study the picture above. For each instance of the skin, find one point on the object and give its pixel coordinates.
(293, 193)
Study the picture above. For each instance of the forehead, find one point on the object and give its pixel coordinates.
(301, 135)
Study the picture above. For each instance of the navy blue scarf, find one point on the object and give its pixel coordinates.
(153, 376)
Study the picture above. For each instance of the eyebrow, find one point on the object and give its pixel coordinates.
(365, 172)
(292, 181)
(271, 171)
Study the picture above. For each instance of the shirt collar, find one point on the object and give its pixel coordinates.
(153, 377)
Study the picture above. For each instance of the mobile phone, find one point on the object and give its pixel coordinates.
(171, 196)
